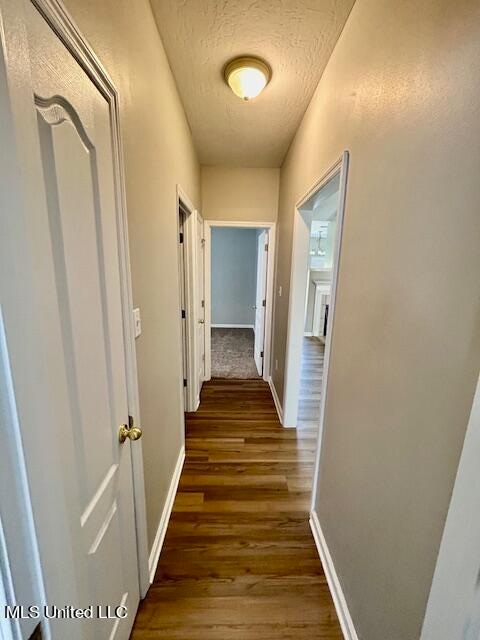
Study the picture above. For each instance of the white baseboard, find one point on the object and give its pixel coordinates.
(308, 334)
(338, 596)
(278, 406)
(167, 510)
(232, 326)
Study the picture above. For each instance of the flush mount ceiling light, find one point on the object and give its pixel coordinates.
(247, 76)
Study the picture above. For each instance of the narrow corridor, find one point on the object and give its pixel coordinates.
(239, 561)
(310, 383)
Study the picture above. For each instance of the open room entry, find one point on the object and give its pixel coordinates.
(239, 262)
(317, 239)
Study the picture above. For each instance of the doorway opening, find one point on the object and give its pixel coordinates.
(239, 284)
(317, 242)
(320, 214)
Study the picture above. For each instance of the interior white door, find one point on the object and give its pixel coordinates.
(260, 299)
(68, 362)
(200, 302)
(183, 302)
(453, 609)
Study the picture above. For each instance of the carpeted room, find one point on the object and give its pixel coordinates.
(235, 287)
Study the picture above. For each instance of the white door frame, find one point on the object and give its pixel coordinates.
(191, 298)
(9, 629)
(62, 23)
(271, 227)
(454, 593)
(296, 315)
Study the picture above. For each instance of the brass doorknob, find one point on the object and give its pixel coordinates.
(201, 322)
(133, 433)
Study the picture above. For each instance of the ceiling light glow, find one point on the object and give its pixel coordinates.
(247, 77)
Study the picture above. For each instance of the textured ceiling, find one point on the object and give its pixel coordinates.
(296, 37)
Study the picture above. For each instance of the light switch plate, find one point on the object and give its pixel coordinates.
(137, 322)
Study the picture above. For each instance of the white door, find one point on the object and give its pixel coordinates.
(261, 299)
(183, 302)
(200, 302)
(453, 609)
(63, 325)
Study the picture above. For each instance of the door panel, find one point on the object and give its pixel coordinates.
(84, 514)
(182, 271)
(260, 299)
(75, 223)
(200, 286)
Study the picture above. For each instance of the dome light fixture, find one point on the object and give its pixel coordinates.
(247, 76)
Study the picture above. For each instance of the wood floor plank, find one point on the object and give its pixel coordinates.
(239, 561)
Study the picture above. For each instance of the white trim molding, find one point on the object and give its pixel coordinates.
(278, 404)
(297, 301)
(232, 326)
(338, 597)
(165, 517)
(276, 399)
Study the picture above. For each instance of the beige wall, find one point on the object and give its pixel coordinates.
(232, 194)
(401, 93)
(158, 154)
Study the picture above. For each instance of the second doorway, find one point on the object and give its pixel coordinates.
(239, 261)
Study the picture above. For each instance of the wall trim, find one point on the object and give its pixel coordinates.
(165, 517)
(276, 400)
(339, 600)
(308, 334)
(278, 404)
(232, 326)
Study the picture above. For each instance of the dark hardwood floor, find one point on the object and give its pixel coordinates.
(239, 561)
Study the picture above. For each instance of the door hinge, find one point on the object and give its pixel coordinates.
(203, 304)
(183, 313)
(181, 238)
(184, 382)
(266, 247)
(264, 303)
(203, 242)
(261, 354)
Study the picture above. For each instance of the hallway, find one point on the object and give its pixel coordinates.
(239, 561)
(233, 232)
(310, 383)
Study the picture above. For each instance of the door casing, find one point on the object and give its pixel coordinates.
(191, 400)
(296, 308)
(260, 291)
(63, 25)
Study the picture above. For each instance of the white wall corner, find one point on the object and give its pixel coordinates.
(165, 517)
(335, 587)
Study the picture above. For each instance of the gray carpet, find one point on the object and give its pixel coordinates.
(232, 354)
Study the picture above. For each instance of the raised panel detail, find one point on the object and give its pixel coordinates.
(71, 185)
